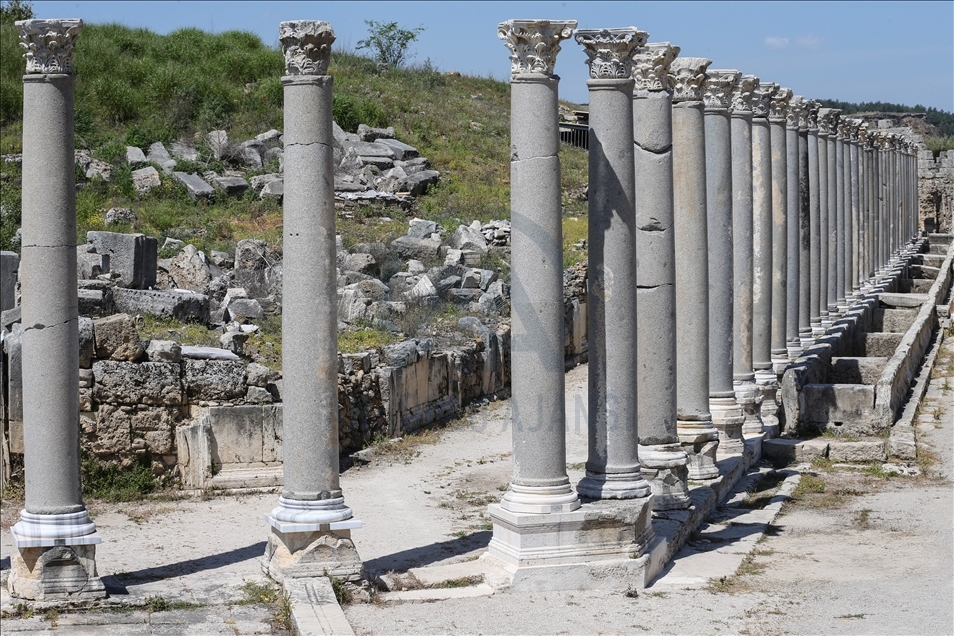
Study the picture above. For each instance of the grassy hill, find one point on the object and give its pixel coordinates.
(135, 87)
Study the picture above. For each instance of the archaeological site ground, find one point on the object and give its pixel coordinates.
(343, 347)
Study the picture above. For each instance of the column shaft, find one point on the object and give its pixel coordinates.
(779, 229)
(814, 231)
(792, 224)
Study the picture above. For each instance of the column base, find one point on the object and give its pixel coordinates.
(749, 397)
(767, 382)
(794, 350)
(700, 440)
(780, 361)
(727, 418)
(818, 329)
(664, 466)
(54, 557)
(805, 339)
(544, 499)
(600, 545)
(297, 550)
(609, 486)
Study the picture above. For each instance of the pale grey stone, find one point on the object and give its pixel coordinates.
(258, 395)
(423, 288)
(415, 267)
(261, 180)
(417, 183)
(120, 215)
(273, 190)
(116, 338)
(153, 383)
(207, 353)
(214, 379)
(158, 153)
(259, 375)
(181, 150)
(190, 271)
(424, 249)
(248, 308)
(183, 305)
(135, 156)
(269, 136)
(252, 153)
(422, 229)
(234, 341)
(87, 342)
(401, 150)
(468, 238)
(9, 270)
(873, 451)
(363, 263)
(367, 133)
(132, 256)
(232, 186)
(218, 143)
(164, 351)
(195, 185)
(145, 179)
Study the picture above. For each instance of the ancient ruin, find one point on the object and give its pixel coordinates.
(760, 271)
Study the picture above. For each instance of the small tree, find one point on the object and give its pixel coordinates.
(15, 10)
(389, 42)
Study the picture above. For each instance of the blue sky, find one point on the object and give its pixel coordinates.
(855, 51)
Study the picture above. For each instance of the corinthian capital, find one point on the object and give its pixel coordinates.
(307, 46)
(796, 111)
(609, 52)
(49, 44)
(742, 93)
(651, 66)
(825, 120)
(863, 134)
(778, 108)
(853, 126)
(811, 113)
(534, 44)
(762, 99)
(688, 78)
(718, 93)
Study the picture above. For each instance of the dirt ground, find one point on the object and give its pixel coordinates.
(870, 554)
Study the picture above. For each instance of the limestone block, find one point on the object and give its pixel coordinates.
(873, 451)
(423, 249)
(152, 383)
(252, 152)
(401, 150)
(272, 433)
(423, 289)
(116, 338)
(232, 186)
(120, 215)
(197, 188)
(135, 156)
(163, 351)
(132, 256)
(901, 444)
(369, 149)
(215, 379)
(183, 305)
(893, 320)
(469, 238)
(259, 375)
(218, 143)
(369, 134)
(158, 153)
(89, 264)
(86, 342)
(260, 181)
(12, 346)
(146, 179)
(234, 341)
(865, 370)
(787, 451)
(363, 263)
(194, 453)
(190, 271)
(184, 151)
(236, 434)
(352, 305)
(62, 572)
(258, 395)
(876, 344)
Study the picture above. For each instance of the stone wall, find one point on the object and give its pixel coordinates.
(936, 191)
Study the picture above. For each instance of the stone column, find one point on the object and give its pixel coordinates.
(656, 277)
(777, 115)
(54, 540)
(856, 216)
(865, 186)
(804, 228)
(814, 223)
(796, 111)
(762, 249)
(688, 79)
(824, 129)
(831, 276)
(311, 526)
(883, 243)
(747, 393)
(871, 163)
(727, 414)
(612, 467)
(847, 273)
(842, 133)
(540, 483)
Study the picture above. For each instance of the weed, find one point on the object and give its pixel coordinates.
(254, 593)
(937, 412)
(466, 581)
(862, 518)
(822, 463)
(53, 617)
(111, 482)
(283, 613)
(20, 610)
(341, 590)
(946, 386)
(658, 594)
(850, 616)
(160, 604)
(809, 484)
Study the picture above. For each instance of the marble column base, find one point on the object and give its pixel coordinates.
(794, 350)
(805, 339)
(700, 440)
(767, 381)
(54, 557)
(553, 499)
(664, 466)
(727, 418)
(599, 531)
(749, 397)
(780, 362)
(818, 329)
(606, 486)
(297, 552)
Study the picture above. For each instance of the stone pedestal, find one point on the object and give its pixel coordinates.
(54, 541)
(600, 546)
(304, 526)
(612, 467)
(693, 419)
(662, 457)
(727, 415)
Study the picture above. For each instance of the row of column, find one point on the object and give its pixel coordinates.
(729, 224)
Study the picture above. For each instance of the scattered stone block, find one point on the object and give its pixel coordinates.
(234, 341)
(117, 339)
(184, 151)
(158, 153)
(9, 270)
(273, 190)
(120, 215)
(198, 189)
(369, 134)
(787, 451)
(362, 263)
(417, 183)
(164, 351)
(87, 342)
(269, 136)
(252, 153)
(232, 186)
(422, 228)
(179, 304)
(145, 179)
(261, 180)
(467, 237)
(401, 150)
(190, 271)
(135, 156)
(424, 249)
(132, 256)
(248, 308)
(259, 375)
(258, 395)
(218, 143)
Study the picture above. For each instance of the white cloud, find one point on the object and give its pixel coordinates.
(776, 43)
(809, 41)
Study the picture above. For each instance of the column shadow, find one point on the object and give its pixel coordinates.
(428, 554)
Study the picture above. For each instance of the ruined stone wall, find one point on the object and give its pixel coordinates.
(936, 191)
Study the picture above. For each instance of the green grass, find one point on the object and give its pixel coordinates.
(111, 482)
(937, 145)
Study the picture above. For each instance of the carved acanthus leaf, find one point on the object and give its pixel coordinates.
(742, 93)
(609, 52)
(778, 110)
(651, 66)
(688, 78)
(825, 120)
(762, 99)
(718, 93)
(534, 44)
(48, 44)
(796, 111)
(853, 127)
(307, 46)
(811, 113)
